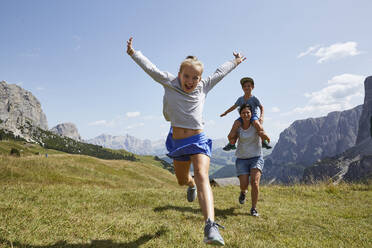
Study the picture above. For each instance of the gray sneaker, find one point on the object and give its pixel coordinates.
(191, 193)
(212, 235)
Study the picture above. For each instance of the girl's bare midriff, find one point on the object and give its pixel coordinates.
(182, 133)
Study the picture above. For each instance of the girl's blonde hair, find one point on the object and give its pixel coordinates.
(192, 61)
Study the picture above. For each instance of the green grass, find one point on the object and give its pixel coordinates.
(79, 201)
(26, 149)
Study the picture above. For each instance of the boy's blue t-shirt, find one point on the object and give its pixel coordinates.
(253, 101)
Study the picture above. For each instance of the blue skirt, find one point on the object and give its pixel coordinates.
(181, 149)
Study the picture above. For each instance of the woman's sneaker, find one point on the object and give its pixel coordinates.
(254, 212)
(229, 147)
(191, 193)
(212, 235)
(241, 198)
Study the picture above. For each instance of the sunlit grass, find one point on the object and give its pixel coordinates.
(79, 201)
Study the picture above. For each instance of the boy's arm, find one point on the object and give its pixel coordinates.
(261, 119)
(222, 71)
(159, 76)
(229, 110)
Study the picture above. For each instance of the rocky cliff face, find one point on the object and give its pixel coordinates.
(307, 141)
(355, 164)
(19, 108)
(67, 129)
(365, 123)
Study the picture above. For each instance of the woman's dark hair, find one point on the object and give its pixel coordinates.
(243, 106)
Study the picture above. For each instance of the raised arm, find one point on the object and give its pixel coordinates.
(233, 107)
(159, 76)
(261, 119)
(222, 71)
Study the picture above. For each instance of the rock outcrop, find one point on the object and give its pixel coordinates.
(20, 108)
(309, 140)
(68, 130)
(355, 164)
(365, 123)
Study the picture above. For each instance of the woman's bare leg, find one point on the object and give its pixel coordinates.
(255, 183)
(244, 182)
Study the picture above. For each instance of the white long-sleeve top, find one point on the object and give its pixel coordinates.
(180, 108)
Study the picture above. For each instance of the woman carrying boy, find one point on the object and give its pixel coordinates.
(249, 162)
(247, 84)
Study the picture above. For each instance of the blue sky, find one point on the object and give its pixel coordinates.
(308, 58)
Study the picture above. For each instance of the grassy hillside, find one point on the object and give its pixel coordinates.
(79, 201)
(26, 149)
(50, 140)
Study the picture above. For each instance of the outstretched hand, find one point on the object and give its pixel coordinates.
(238, 58)
(130, 49)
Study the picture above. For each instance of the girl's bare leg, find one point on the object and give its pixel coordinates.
(182, 171)
(205, 195)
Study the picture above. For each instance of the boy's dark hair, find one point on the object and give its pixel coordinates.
(192, 57)
(246, 80)
(243, 106)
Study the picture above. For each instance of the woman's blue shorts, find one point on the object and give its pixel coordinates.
(181, 149)
(244, 166)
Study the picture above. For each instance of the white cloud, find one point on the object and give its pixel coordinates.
(335, 51)
(40, 88)
(336, 96)
(98, 123)
(275, 109)
(152, 117)
(308, 51)
(135, 125)
(132, 114)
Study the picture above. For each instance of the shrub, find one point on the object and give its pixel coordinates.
(15, 152)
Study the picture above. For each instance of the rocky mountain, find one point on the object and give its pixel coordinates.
(68, 130)
(365, 123)
(130, 143)
(308, 141)
(355, 164)
(20, 108)
(138, 146)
